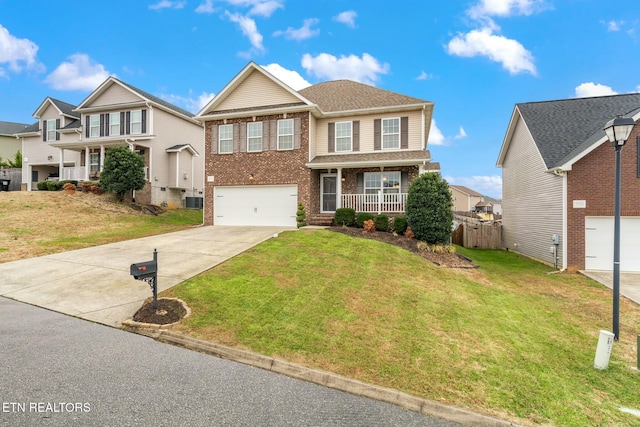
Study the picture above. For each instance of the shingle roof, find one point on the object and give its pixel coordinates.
(388, 156)
(65, 108)
(466, 190)
(10, 128)
(346, 95)
(562, 128)
(157, 100)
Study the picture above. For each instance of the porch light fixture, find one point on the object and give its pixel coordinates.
(618, 131)
(252, 176)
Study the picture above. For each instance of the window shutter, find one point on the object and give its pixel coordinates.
(57, 127)
(265, 135)
(122, 119)
(273, 135)
(127, 128)
(404, 182)
(404, 132)
(360, 183)
(144, 121)
(297, 126)
(377, 140)
(101, 124)
(638, 150)
(86, 125)
(243, 137)
(355, 128)
(82, 154)
(332, 137)
(44, 130)
(236, 137)
(106, 125)
(214, 139)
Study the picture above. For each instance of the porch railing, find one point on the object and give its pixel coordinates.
(376, 203)
(76, 173)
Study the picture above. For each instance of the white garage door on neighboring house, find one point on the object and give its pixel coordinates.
(599, 243)
(267, 205)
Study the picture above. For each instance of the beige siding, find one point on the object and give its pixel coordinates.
(256, 91)
(313, 141)
(366, 131)
(531, 199)
(115, 94)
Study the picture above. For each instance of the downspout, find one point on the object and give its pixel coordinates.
(424, 142)
(564, 220)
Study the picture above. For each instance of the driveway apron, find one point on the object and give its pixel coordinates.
(95, 283)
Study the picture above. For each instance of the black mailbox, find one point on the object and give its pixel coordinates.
(143, 270)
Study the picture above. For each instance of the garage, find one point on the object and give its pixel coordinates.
(599, 243)
(262, 205)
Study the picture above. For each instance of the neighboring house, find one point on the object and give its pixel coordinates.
(9, 145)
(335, 144)
(558, 175)
(70, 142)
(465, 199)
(496, 204)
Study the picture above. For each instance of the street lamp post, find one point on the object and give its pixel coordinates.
(618, 131)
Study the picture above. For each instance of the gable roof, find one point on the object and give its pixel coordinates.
(64, 108)
(563, 129)
(11, 128)
(466, 190)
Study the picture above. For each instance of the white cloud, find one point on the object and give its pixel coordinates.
(587, 90)
(510, 53)
(461, 134)
(364, 70)
(291, 78)
(435, 135)
(264, 8)
(305, 32)
(17, 53)
(206, 7)
(488, 185)
(614, 25)
(190, 103)
(486, 8)
(347, 17)
(248, 28)
(424, 76)
(167, 4)
(81, 73)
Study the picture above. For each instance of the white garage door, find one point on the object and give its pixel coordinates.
(256, 205)
(599, 243)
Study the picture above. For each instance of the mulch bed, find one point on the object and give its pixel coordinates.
(445, 259)
(169, 311)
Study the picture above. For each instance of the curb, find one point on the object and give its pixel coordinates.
(315, 376)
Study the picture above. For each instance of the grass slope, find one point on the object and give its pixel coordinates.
(507, 339)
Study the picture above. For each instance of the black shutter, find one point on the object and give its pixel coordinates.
(122, 119)
(332, 137)
(44, 130)
(360, 183)
(404, 182)
(101, 124)
(127, 126)
(107, 131)
(356, 135)
(87, 121)
(82, 158)
(404, 132)
(144, 121)
(57, 127)
(377, 140)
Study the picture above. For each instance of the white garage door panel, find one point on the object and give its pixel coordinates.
(599, 244)
(259, 205)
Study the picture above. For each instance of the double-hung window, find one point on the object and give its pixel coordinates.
(114, 123)
(51, 130)
(94, 162)
(388, 182)
(94, 126)
(344, 136)
(390, 133)
(225, 139)
(136, 122)
(285, 134)
(254, 136)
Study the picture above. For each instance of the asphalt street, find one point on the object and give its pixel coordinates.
(58, 370)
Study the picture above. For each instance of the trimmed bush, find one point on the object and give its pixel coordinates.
(54, 185)
(382, 222)
(428, 208)
(400, 224)
(362, 217)
(42, 186)
(344, 217)
(301, 216)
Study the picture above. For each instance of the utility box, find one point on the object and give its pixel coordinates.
(603, 351)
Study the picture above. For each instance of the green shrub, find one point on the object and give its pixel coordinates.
(382, 222)
(42, 186)
(428, 208)
(123, 172)
(400, 224)
(301, 216)
(362, 217)
(54, 185)
(344, 217)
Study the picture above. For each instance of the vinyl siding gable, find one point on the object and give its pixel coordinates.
(114, 95)
(257, 90)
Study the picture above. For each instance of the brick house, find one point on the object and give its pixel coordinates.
(558, 175)
(334, 144)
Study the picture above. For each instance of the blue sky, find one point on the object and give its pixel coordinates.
(474, 59)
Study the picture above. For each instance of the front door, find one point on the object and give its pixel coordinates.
(328, 193)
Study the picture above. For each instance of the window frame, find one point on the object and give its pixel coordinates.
(281, 134)
(380, 182)
(343, 137)
(113, 123)
(51, 128)
(134, 123)
(255, 139)
(94, 160)
(94, 128)
(228, 140)
(384, 143)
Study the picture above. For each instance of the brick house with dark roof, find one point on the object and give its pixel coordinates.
(558, 174)
(336, 144)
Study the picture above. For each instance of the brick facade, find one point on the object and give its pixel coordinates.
(592, 179)
(271, 167)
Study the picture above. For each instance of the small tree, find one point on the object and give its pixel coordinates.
(123, 172)
(17, 161)
(428, 209)
(301, 216)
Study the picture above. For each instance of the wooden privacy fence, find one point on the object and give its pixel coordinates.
(478, 235)
(14, 176)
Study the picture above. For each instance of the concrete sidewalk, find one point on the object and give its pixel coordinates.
(629, 282)
(95, 283)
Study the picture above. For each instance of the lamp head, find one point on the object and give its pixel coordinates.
(618, 130)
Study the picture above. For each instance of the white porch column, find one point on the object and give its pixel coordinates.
(61, 165)
(87, 166)
(339, 189)
(101, 157)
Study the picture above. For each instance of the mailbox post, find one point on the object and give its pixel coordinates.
(148, 271)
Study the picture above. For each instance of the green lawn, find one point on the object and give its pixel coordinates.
(507, 339)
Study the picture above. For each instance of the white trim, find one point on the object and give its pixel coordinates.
(335, 137)
(278, 135)
(220, 127)
(564, 220)
(382, 134)
(260, 126)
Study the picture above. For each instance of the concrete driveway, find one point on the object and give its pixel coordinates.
(629, 282)
(95, 283)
